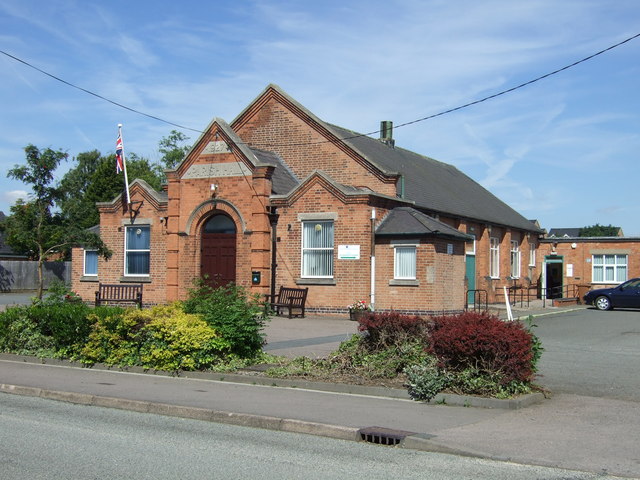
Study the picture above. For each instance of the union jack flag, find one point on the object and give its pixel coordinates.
(119, 161)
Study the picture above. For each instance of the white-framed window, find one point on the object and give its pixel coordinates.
(494, 257)
(470, 245)
(317, 249)
(609, 268)
(137, 250)
(404, 262)
(90, 263)
(532, 254)
(515, 259)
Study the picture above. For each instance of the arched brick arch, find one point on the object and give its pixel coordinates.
(207, 208)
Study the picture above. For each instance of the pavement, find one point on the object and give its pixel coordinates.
(582, 433)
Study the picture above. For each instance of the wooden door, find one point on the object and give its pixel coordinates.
(218, 251)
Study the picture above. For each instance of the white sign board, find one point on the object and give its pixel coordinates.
(569, 270)
(348, 252)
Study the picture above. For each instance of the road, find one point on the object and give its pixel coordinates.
(592, 353)
(44, 439)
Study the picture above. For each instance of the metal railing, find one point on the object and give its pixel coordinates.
(522, 295)
(478, 299)
(563, 291)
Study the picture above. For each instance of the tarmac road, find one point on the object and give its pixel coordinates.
(598, 434)
(592, 353)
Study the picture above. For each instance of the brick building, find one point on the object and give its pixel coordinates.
(571, 265)
(355, 218)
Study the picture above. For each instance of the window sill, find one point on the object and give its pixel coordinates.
(89, 278)
(404, 283)
(315, 281)
(133, 279)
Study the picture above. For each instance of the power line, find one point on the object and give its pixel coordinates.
(95, 94)
(522, 85)
(429, 117)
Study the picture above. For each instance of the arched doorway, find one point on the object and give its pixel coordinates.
(218, 250)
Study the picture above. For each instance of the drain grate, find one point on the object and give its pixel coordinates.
(383, 436)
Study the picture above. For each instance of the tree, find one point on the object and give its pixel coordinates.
(34, 228)
(173, 148)
(598, 230)
(94, 179)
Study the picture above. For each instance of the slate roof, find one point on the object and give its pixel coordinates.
(283, 180)
(564, 232)
(436, 186)
(408, 221)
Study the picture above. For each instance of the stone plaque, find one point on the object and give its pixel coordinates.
(213, 170)
(216, 147)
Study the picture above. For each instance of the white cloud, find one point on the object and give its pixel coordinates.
(353, 64)
(12, 196)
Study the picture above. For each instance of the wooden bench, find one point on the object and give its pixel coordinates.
(290, 298)
(130, 293)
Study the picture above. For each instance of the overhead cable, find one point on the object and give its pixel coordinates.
(429, 117)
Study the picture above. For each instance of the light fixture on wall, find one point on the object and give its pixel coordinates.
(214, 190)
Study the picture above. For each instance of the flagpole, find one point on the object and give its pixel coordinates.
(124, 166)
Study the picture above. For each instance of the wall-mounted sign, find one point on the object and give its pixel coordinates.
(348, 252)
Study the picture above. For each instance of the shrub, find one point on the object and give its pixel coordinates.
(231, 311)
(483, 342)
(473, 381)
(58, 293)
(355, 357)
(426, 380)
(163, 338)
(175, 340)
(391, 328)
(66, 323)
(114, 339)
(20, 334)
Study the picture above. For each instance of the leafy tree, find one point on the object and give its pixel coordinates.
(173, 148)
(34, 228)
(94, 179)
(598, 230)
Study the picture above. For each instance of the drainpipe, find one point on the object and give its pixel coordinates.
(373, 260)
(273, 221)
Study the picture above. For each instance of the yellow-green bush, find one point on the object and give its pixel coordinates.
(162, 338)
(114, 340)
(180, 340)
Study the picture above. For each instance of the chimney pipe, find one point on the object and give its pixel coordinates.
(386, 133)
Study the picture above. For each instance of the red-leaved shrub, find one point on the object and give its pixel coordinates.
(391, 328)
(480, 340)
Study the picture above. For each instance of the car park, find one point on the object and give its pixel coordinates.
(625, 295)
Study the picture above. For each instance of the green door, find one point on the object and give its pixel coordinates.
(470, 261)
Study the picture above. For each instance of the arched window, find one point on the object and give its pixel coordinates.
(219, 224)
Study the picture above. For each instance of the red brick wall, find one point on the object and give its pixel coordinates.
(441, 275)
(439, 278)
(275, 126)
(112, 231)
(274, 123)
(494, 286)
(579, 252)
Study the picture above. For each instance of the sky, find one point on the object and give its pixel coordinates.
(564, 150)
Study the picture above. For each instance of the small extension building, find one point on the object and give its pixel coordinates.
(279, 197)
(572, 264)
